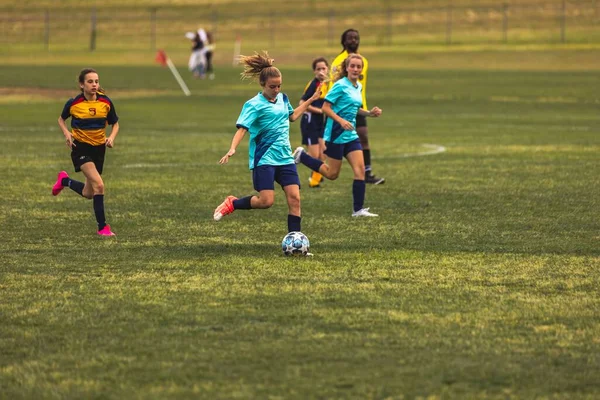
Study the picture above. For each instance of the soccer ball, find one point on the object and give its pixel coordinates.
(295, 244)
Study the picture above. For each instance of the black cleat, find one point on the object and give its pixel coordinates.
(374, 180)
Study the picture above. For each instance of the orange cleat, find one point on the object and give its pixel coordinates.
(225, 208)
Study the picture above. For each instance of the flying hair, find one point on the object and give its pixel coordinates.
(259, 67)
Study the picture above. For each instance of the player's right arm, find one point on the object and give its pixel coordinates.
(331, 114)
(237, 138)
(66, 113)
(68, 135)
(248, 115)
(333, 96)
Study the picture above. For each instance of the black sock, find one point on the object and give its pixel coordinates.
(358, 194)
(99, 210)
(367, 156)
(294, 223)
(310, 162)
(74, 185)
(243, 204)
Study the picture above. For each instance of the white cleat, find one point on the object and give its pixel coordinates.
(364, 212)
(297, 153)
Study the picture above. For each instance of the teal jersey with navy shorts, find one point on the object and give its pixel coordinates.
(268, 124)
(345, 99)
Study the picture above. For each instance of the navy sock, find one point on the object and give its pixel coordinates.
(358, 194)
(74, 185)
(243, 204)
(367, 156)
(294, 223)
(310, 162)
(99, 210)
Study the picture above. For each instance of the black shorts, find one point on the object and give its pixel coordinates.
(83, 153)
(311, 127)
(360, 121)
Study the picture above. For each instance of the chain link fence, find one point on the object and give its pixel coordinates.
(557, 21)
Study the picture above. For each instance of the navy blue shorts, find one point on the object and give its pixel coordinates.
(339, 151)
(265, 176)
(311, 127)
(83, 153)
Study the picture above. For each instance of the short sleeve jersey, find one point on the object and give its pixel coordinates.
(268, 124)
(90, 118)
(345, 99)
(363, 80)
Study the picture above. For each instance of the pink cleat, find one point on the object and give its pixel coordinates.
(58, 186)
(225, 208)
(106, 231)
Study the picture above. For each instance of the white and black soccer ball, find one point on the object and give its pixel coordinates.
(295, 244)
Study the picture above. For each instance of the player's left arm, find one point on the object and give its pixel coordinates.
(310, 90)
(301, 109)
(110, 141)
(112, 119)
(374, 112)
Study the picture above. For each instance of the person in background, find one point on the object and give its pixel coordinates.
(208, 55)
(267, 118)
(313, 120)
(350, 41)
(200, 62)
(90, 112)
(342, 104)
(197, 61)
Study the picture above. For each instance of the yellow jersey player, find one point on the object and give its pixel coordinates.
(350, 41)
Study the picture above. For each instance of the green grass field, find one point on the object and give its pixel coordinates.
(480, 278)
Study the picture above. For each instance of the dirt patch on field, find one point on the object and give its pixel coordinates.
(29, 94)
(12, 93)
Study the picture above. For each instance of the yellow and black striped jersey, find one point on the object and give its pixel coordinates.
(90, 118)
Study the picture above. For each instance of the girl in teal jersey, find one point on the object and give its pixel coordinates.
(267, 118)
(342, 103)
